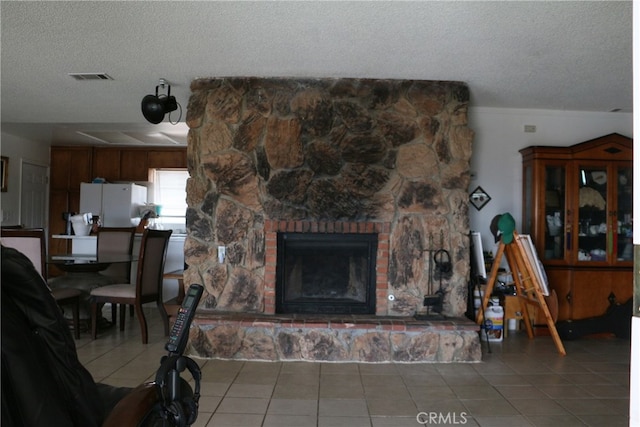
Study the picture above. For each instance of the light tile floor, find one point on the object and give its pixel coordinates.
(521, 382)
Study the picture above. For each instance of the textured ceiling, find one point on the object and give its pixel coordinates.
(542, 54)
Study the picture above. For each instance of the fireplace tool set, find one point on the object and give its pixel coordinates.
(440, 268)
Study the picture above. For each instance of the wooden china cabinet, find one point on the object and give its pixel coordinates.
(577, 207)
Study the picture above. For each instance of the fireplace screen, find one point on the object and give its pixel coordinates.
(326, 273)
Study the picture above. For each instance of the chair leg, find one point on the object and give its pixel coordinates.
(143, 323)
(123, 311)
(114, 310)
(94, 320)
(164, 316)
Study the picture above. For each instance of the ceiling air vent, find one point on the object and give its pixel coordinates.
(90, 76)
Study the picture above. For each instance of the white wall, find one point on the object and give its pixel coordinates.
(18, 150)
(496, 160)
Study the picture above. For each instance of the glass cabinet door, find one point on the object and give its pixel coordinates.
(527, 199)
(624, 214)
(554, 210)
(593, 230)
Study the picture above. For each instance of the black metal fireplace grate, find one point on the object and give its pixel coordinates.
(326, 273)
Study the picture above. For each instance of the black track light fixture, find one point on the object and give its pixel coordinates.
(154, 107)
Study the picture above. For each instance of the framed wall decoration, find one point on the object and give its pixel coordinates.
(4, 173)
(479, 198)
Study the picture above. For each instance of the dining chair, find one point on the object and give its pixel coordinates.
(170, 308)
(147, 286)
(116, 241)
(32, 243)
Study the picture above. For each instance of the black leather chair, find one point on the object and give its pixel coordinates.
(43, 382)
(32, 243)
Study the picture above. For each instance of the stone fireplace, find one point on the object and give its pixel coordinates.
(376, 167)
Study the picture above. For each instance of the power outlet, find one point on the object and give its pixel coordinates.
(530, 128)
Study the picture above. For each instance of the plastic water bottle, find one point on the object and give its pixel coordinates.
(493, 325)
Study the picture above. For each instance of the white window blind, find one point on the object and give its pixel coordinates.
(170, 191)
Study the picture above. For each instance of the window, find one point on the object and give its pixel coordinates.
(170, 193)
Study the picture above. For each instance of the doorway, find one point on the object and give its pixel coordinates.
(33, 195)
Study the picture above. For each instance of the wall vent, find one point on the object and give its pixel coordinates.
(90, 76)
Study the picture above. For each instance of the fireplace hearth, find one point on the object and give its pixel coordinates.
(332, 273)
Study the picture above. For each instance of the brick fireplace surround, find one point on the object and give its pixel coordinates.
(328, 156)
(272, 228)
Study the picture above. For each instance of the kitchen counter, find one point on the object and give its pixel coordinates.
(74, 237)
(80, 244)
(88, 244)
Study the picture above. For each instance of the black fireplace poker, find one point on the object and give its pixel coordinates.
(434, 300)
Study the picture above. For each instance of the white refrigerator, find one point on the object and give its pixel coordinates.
(117, 204)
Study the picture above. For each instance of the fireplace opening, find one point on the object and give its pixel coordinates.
(327, 273)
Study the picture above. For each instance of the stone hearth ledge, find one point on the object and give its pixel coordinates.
(340, 338)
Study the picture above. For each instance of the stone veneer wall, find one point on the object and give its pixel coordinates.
(350, 150)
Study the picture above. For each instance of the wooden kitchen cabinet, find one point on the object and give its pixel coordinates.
(106, 164)
(134, 165)
(58, 203)
(59, 176)
(168, 158)
(72, 165)
(577, 207)
(69, 167)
